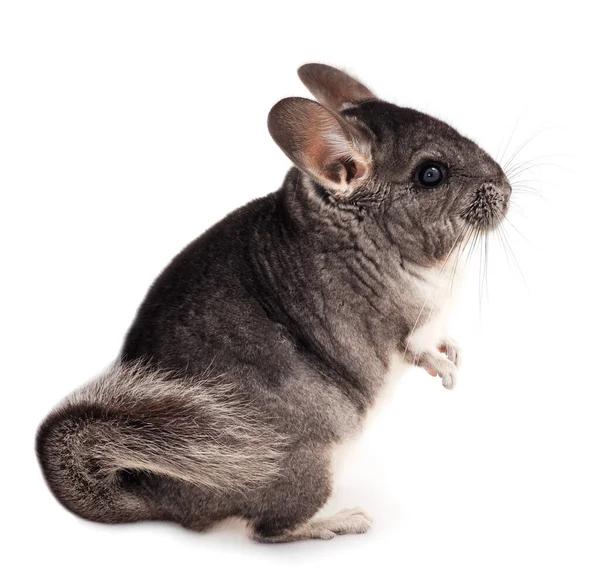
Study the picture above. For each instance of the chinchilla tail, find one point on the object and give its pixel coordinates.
(137, 420)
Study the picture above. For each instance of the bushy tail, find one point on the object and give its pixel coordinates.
(135, 418)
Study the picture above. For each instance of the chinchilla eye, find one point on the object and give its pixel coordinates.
(430, 175)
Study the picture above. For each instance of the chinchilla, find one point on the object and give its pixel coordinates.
(264, 344)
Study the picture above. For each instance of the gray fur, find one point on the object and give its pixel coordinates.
(264, 344)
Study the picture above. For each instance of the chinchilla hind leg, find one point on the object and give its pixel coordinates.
(344, 522)
(288, 507)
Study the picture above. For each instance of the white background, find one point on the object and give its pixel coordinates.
(127, 129)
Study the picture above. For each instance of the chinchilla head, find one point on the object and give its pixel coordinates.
(423, 182)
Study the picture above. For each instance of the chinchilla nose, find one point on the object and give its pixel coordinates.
(489, 204)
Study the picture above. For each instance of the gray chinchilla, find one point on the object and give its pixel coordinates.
(264, 344)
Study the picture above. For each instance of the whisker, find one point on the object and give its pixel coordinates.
(512, 133)
(466, 229)
(509, 222)
(516, 207)
(480, 275)
(503, 245)
(523, 186)
(472, 244)
(503, 235)
(532, 167)
(523, 145)
(521, 194)
(485, 267)
(516, 165)
(528, 180)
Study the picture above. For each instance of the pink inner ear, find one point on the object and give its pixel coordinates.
(318, 152)
(328, 150)
(361, 169)
(333, 157)
(345, 171)
(320, 142)
(335, 172)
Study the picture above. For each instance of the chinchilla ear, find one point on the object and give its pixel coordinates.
(319, 142)
(332, 87)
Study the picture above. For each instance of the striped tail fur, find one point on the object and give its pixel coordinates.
(134, 418)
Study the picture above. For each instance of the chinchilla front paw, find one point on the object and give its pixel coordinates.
(438, 365)
(444, 368)
(452, 350)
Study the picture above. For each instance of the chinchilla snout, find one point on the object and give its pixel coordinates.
(488, 205)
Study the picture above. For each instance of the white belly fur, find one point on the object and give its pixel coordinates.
(437, 294)
(342, 452)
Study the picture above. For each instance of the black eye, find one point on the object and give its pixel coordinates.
(430, 175)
